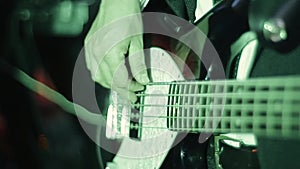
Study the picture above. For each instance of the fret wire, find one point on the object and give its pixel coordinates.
(202, 89)
(174, 107)
(208, 103)
(170, 98)
(243, 112)
(195, 100)
(268, 119)
(188, 110)
(285, 122)
(179, 108)
(172, 88)
(217, 112)
(184, 109)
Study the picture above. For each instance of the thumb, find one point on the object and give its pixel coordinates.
(137, 60)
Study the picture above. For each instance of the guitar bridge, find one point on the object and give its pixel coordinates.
(117, 124)
(123, 120)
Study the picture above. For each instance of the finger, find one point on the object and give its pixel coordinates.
(135, 86)
(137, 60)
(94, 61)
(114, 64)
(126, 94)
(115, 58)
(120, 76)
(103, 75)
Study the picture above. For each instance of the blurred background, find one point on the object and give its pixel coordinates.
(42, 38)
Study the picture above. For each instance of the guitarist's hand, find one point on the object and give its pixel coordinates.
(108, 67)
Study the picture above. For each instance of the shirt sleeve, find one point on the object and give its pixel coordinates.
(144, 3)
(202, 8)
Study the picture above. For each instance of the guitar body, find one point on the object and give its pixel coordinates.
(150, 150)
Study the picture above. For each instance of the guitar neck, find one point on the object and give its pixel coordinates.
(268, 107)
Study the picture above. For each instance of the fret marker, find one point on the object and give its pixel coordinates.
(238, 123)
(186, 106)
(177, 105)
(199, 106)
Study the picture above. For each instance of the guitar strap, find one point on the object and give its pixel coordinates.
(236, 50)
(183, 8)
(190, 8)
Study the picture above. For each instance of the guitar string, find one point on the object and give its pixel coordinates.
(228, 88)
(244, 109)
(259, 117)
(286, 132)
(234, 122)
(258, 82)
(256, 128)
(208, 128)
(230, 94)
(237, 118)
(221, 95)
(262, 98)
(233, 118)
(256, 114)
(245, 99)
(245, 117)
(240, 118)
(232, 97)
(211, 105)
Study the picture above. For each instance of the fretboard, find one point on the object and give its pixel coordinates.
(266, 106)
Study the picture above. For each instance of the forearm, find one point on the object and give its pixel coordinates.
(112, 10)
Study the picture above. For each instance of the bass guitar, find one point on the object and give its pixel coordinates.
(171, 105)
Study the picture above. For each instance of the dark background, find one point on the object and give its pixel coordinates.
(35, 133)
